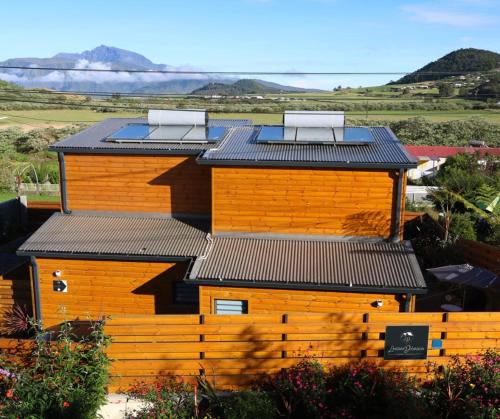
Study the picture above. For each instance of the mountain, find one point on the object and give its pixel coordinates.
(105, 57)
(462, 60)
(246, 87)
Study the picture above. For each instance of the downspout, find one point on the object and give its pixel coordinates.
(36, 291)
(408, 303)
(64, 194)
(397, 210)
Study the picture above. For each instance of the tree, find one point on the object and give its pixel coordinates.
(446, 89)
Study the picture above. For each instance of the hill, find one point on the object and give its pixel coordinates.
(246, 87)
(462, 60)
(106, 57)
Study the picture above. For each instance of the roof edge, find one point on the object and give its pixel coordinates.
(305, 287)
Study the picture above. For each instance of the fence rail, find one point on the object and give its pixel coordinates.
(235, 350)
(481, 254)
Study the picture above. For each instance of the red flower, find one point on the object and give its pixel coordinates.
(66, 404)
(10, 393)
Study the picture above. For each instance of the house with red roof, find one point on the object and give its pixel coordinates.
(430, 158)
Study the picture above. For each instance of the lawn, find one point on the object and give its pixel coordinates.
(5, 196)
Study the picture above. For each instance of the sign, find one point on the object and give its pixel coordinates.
(59, 285)
(437, 344)
(406, 342)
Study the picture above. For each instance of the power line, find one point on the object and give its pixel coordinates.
(230, 72)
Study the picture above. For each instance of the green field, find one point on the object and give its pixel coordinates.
(5, 196)
(30, 119)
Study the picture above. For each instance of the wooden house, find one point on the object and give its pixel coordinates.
(180, 214)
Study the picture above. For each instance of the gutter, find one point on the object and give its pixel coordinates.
(36, 291)
(100, 256)
(304, 287)
(64, 192)
(286, 163)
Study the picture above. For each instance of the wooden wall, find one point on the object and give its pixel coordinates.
(303, 201)
(98, 288)
(235, 350)
(161, 184)
(15, 288)
(481, 254)
(267, 301)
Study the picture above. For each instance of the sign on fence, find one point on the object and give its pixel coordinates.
(406, 342)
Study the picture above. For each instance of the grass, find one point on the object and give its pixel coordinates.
(5, 196)
(30, 119)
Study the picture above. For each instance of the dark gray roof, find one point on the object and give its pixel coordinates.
(241, 148)
(92, 139)
(87, 234)
(309, 263)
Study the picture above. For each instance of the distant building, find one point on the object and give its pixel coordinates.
(430, 158)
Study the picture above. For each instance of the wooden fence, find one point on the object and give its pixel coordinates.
(235, 350)
(481, 254)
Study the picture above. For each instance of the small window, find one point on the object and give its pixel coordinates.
(231, 307)
(185, 294)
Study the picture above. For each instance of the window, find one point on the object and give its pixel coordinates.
(185, 294)
(231, 307)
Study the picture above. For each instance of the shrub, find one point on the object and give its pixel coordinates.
(363, 390)
(63, 378)
(299, 392)
(462, 226)
(467, 388)
(248, 405)
(166, 398)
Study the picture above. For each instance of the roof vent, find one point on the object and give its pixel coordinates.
(197, 117)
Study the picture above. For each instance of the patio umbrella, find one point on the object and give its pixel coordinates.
(466, 274)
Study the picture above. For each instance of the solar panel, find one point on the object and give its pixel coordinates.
(168, 134)
(275, 134)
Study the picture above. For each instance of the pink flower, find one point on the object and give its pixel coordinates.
(10, 393)
(66, 404)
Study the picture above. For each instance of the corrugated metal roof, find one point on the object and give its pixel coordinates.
(241, 148)
(118, 235)
(318, 263)
(93, 138)
(435, 152)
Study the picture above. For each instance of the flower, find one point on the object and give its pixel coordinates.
(66, 404)
(10, 393)
(6, 373)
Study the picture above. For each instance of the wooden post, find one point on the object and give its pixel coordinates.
(202, 336)
(364, 335)
(284, 336)
(444, 335)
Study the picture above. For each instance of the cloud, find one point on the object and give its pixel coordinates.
(57, 79)
(424, 14)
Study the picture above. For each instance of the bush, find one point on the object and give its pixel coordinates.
(466, 389)
(363, 390)
(248, 405)
(166, 398)
(299, 392)
(63, 378)
(462, 226)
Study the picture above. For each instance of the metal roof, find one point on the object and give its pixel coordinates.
(93, 139)
(241, 148)
(352, 265)
(144, 236)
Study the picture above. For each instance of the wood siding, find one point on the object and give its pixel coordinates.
(156, 184)
(97, 288)
(234, 350)
(303, 201)
(15, 288)
(266, 301)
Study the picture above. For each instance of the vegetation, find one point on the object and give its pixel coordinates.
(60, 378)
(467, 388)
(462, 60)
(467, 198)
